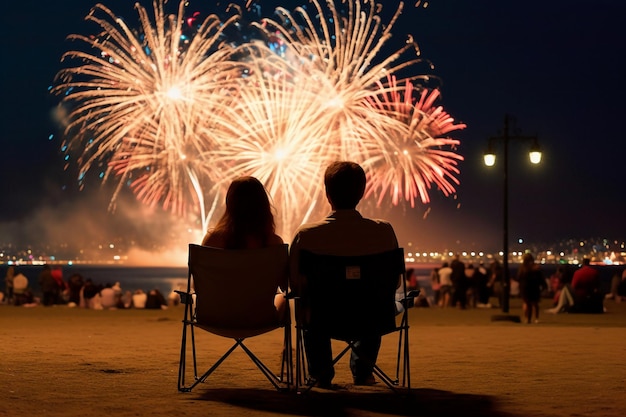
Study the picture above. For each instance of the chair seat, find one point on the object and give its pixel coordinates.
(242, 332)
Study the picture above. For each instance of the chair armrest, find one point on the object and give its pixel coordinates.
(409, 300)
(413, 293)
(185, 297)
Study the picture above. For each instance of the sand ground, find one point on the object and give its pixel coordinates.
(59, 361)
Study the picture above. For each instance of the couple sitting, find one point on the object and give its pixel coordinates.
(248, 223)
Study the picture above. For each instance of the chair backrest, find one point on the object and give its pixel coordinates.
(351, 296)
(235, 289)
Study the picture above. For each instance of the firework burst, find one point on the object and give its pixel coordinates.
(418, 155)
(177, 116)
(137, 98)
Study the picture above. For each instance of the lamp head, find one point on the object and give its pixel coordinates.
(535, 153)
(489, 157)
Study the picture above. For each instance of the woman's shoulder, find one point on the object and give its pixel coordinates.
(275, 240)
(214, 239)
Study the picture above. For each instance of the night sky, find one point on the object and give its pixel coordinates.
(557, 68)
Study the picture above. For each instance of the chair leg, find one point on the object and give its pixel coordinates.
(271, 376)
(188, 326)
(286, 366)
(301, 362)
(404, 340)
(182, 361)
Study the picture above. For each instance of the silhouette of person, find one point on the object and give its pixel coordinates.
(48, 285)
(247, 223)
(75, 283)
(8, 283)
(343, 232)
(531, 284)
(459, 283)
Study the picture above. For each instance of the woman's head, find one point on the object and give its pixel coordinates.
(248, 213)
(246, 194)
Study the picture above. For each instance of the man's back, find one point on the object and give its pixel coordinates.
(343, 232)
(346, 232)
(585, 281)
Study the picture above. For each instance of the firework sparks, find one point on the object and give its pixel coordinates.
(414, 158)
(340, 57)
(137, 101)
(178, 116)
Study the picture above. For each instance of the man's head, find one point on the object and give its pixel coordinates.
(586, 261)
(345, 184)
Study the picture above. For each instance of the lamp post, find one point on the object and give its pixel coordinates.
(490, 159)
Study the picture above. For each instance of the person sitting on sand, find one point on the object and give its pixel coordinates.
(156, 300)
(583, 296)
(139, 299)
(618, 287)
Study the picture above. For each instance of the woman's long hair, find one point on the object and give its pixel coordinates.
(248, 214)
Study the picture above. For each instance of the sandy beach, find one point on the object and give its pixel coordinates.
(60, 361)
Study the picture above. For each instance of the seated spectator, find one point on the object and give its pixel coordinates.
(117, 290)
(155, 300)
(20, 289)
(127, 299)
(75, 283)
(556, 283)
(583, 296)
(618, 287)
(173, 299)
(107, 297)
(62, 289)
(91, 295)
(49, 286)
(343, 232)
(139, 299)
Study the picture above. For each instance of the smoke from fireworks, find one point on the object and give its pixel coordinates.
(176, 110)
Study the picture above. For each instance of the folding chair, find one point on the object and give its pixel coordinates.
(348, 297)
(230, 293)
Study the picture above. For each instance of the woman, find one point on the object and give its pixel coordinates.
(531, 285)
(247, 223)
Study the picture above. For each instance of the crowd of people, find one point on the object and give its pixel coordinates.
(466, 285)
(77, 291)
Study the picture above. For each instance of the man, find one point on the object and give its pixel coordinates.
(343, 232)
(585, 281)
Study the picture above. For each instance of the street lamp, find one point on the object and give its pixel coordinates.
(490, 160)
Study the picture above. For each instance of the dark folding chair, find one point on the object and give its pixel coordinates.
(349, 297)
(230, 293)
